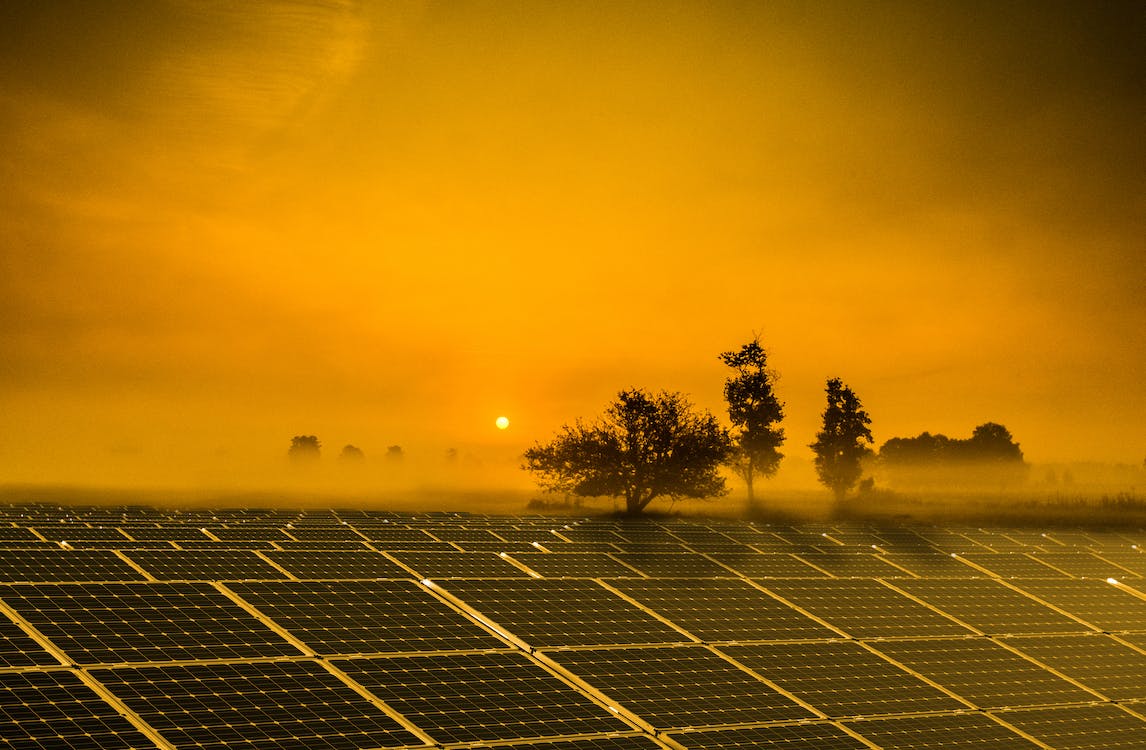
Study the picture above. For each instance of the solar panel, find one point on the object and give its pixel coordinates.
(574, 564)
(458, 564)
(1095, 727)
(18, 649)
(1133, 562)
(292, 705)
(562, 612)
(1082, 564)
(680, 687)
(364, 617)
(983, 672)
(166, 533)
(931, 564)
(947, 731)
(123, 622)
(1012, 565)
(337, 564)
(674, 565)
(850, 565)
(204, 565)
(1100, 662)
(57, 710)
(991, 607)
(475, 697)
(26, 566)
(767, 565)
(630, 742)
(723, 610)
(842, 678)
(324, 533)
(864, 608)
(1107, 607)
(813, 736)
(249, 533)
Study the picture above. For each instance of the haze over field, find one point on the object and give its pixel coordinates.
(223, 225)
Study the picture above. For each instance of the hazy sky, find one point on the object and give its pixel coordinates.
(224, 224)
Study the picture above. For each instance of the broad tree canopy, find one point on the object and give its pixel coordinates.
(644, 447)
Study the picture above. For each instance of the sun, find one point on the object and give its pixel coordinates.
(501, 422)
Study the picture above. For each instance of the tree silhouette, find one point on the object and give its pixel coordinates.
(754, 411)
(304, 448)
(394, 453)
(644, 447)
(839, 446)
(351, 453)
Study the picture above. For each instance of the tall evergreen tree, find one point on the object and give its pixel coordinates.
(840, 445)
(754, 412)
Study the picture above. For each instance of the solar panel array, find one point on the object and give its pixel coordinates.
(132, 627)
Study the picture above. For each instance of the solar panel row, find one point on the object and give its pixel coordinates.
(293, 629)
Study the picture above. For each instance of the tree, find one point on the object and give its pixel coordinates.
(352, 453)
(839, 446)
(304, 448)
(644, 447)
(754, 411)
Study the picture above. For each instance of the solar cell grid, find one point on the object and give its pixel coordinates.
(984, 672)
(680, 687)
(1012, 565)
(64, 565)
(474, 697)
(292, 705)
(767, 565)
(842, 678)
(1095, 727)
(634, 742)
(1082, 564)
(249, 534)
(1099, 603)
(945, 731)
(250, 544)
(932, 565)
(204, 565)
(124, 622)
(650, 548)
(18, 649)
(497, 547)
(864, 608)
(458, 564)
(337, 564)
(574, 564)
(77, 532)
(811, 736)
(57, 710)
(364, 617)
(1133, 562)
(850, 565)
(393, 534)
(991, 607)
(723, 610)
(165, 533)
(1097, 661)
(674, 565)
(325, 533)
(562, 612)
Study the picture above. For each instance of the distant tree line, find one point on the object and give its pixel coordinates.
(649, 446)
(989, 456)
(306, 449)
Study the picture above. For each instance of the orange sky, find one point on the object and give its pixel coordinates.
(225, 224)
